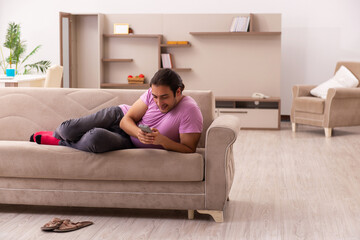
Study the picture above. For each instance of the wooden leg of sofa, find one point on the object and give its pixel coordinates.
(218, 216)
(191, 214)
(293, 127)
(328, 132)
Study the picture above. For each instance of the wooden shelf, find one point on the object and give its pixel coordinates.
(175, 45)
(243, 99)
(235, 33)
(117, 59)
(132, 35)
(180, 69)
(125, 85)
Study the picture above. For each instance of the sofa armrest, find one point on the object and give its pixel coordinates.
(302, 90)
(219, 160)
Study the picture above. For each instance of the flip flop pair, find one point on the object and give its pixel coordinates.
(64, 225)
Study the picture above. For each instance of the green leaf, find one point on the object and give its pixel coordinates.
(32, 53)
(41, 66)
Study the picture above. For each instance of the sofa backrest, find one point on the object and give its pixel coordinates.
(24, 111)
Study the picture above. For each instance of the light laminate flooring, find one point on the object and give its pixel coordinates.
(287, 186)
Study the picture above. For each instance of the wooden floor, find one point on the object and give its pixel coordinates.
(287, 186)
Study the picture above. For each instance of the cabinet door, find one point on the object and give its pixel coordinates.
(253, 118)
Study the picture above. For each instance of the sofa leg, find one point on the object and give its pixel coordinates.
(191, 214)
(328, 132)
(218, 216)
(293, 127)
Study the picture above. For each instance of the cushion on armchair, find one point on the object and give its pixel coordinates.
(309, 104)
(343, 78)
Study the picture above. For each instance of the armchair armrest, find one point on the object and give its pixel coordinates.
(341, 106)
(302, 90)
(219, 160)
(343, 93)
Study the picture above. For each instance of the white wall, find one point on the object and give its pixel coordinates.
(315, 33)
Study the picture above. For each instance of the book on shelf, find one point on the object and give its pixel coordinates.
(233, 24)
(166, 60)
(240, 24)
(177, 42)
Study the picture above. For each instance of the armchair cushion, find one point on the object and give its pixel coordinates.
(309, 104)
(343, 78)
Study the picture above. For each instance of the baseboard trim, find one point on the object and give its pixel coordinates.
(285, 118)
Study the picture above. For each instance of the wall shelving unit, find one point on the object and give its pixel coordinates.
(231, 64)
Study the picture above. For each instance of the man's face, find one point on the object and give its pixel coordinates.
(164, 97)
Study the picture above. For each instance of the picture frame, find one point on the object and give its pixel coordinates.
(121, 28)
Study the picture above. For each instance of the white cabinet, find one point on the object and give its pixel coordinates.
(253, 113)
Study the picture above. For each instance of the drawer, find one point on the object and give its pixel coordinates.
(253, 118)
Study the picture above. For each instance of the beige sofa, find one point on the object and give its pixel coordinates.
(35, 174)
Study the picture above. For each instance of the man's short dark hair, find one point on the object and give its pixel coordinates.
(167, 77)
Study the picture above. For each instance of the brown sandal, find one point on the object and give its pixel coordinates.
(68, 226)
(53, 224)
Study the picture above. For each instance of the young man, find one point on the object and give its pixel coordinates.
(175, 120)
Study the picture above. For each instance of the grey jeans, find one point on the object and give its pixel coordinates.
(97, 133)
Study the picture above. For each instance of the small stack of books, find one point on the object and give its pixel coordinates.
(177, 42)
(240, 24)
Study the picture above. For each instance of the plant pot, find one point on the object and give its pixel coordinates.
(10, 72)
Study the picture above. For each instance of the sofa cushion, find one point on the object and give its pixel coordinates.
(30, 160)
(343, 78)
(309, 104)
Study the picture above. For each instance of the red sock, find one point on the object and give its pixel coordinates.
(46, 139)
(41, 133)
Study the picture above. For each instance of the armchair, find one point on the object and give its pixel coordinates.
(341, 107)
(53, 77)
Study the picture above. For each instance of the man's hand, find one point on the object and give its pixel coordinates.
(155, 137)
(188, 141)
(144, 137)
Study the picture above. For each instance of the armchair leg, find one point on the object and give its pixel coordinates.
(328, 132)
(191, 214)
(218, 216)
(293, 127)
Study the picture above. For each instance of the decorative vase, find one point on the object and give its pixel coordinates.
(10, 72)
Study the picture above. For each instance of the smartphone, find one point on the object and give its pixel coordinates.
(145, 128)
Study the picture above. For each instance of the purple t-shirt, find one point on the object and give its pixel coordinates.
(185, 117)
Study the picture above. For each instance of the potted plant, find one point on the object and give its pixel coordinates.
(17, 49)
